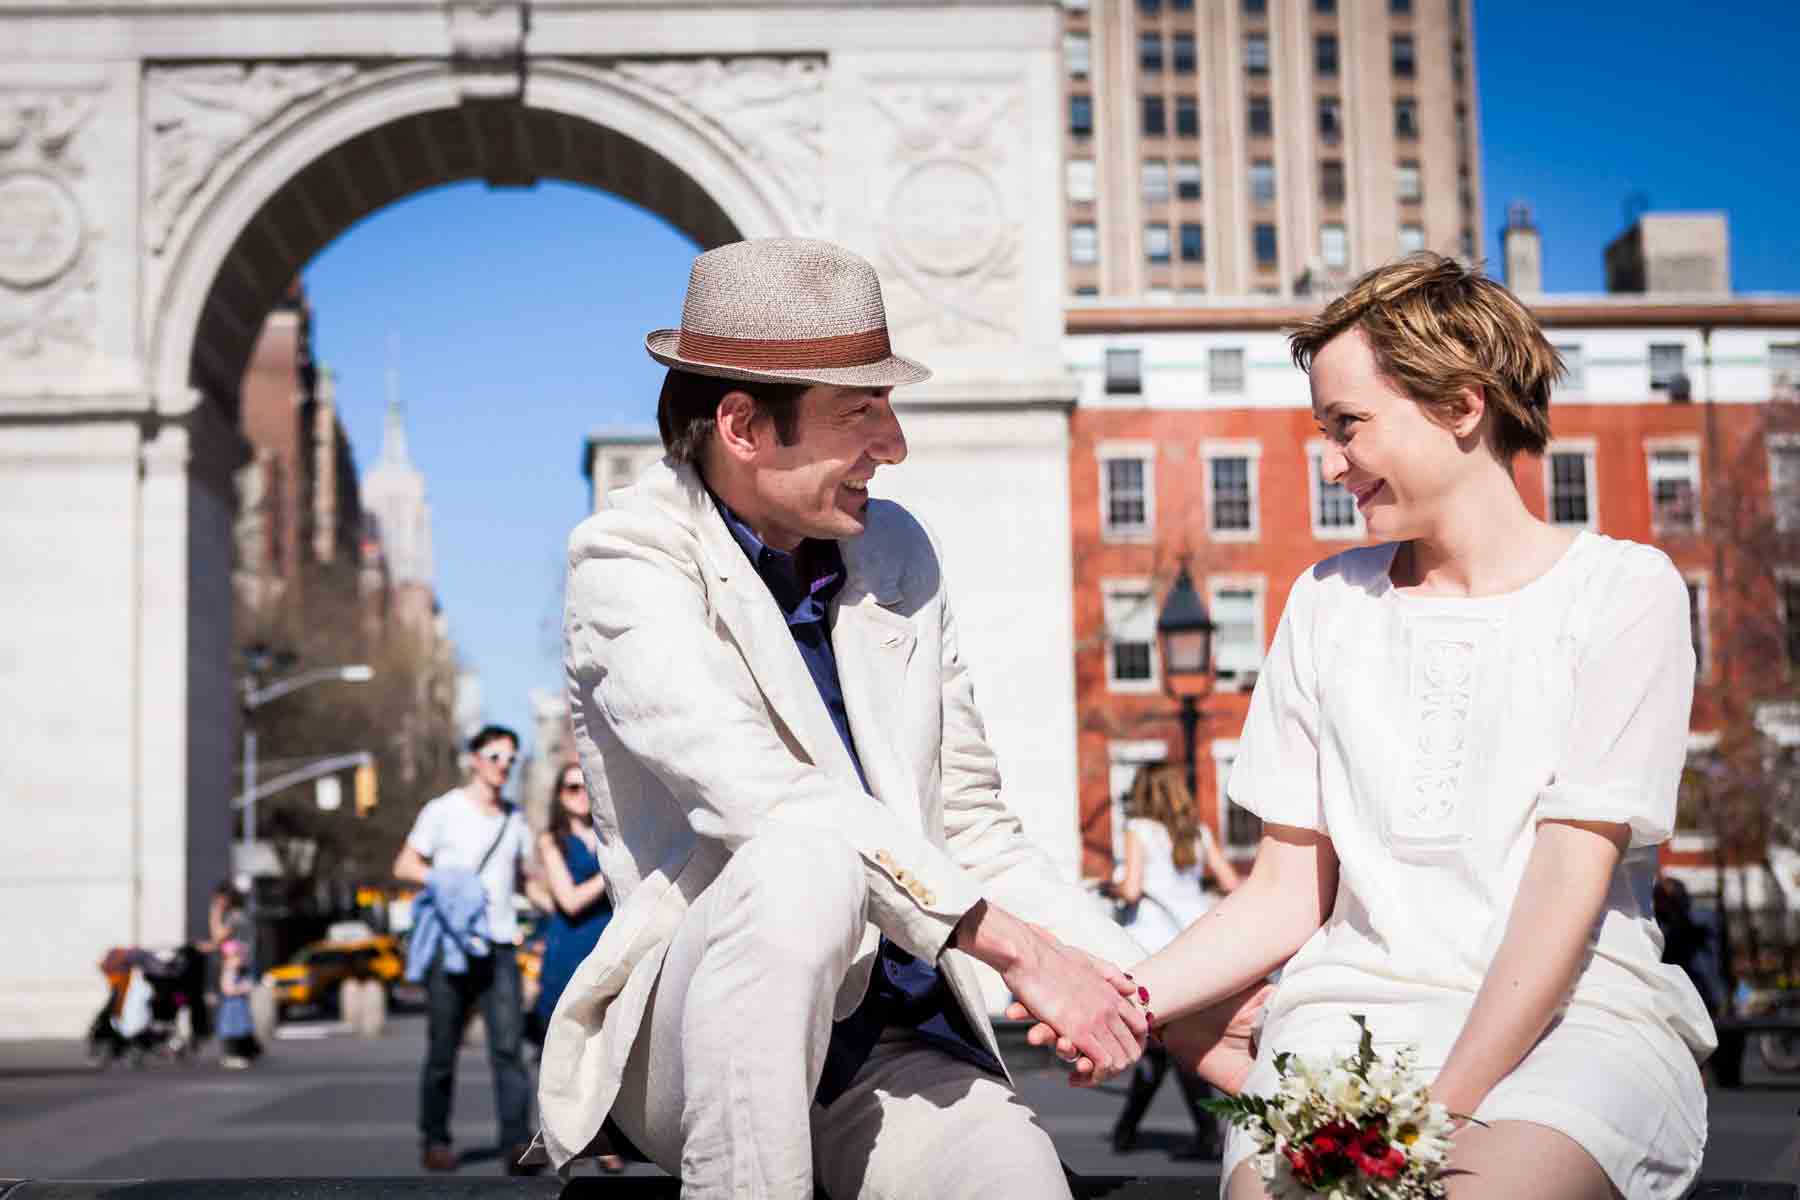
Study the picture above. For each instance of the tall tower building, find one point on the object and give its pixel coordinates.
(393, 492)
(1230, 148)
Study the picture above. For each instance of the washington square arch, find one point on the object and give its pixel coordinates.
(165, 170)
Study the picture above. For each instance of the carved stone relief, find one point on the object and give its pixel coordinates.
(772, 108)
(946, 231)
(196, 115)
(47, 281)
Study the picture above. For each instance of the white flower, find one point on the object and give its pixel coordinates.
(1344, 1092)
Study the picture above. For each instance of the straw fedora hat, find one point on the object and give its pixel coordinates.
(784, 310)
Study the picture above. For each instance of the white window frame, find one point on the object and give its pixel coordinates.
(1224, 753)
(1784, 382)
(1109, 589)
(1788, 520)
(1130, 535)
(1188, 166)
(1213, 374)
(1701, 580)
(1262, 170)
(1106, 371)
(1212, 451)
(1650, 364)
(1123, 754)
(1080, 64)
(1081, 180)
(1084, 244)
(1354, 532)
(1409, 169)
(1159, 244)
(1410, 238)
(1586, 449)
(1154, 180)
(1258, 587)
(1691, 445)
(1334, 245)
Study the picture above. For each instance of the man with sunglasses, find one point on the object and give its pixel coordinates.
(470, 835)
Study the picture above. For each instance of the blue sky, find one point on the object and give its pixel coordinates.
(517, 317)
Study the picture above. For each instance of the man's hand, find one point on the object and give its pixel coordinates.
(1088, 1010)
(1219, 1042)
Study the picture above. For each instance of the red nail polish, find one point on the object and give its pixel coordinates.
(1143, 994)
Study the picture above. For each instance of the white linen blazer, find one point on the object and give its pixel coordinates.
(698, 726)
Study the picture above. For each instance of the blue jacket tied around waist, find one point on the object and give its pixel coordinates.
(449, 917)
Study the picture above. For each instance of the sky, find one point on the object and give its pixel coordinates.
(514, 320)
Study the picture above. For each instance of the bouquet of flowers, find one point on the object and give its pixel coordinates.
(1359, 1128)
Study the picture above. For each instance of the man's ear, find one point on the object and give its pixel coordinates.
(1465, 411)
(740, 424)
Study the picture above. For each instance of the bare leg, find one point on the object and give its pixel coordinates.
(1519, 1158)
(1246, 1184)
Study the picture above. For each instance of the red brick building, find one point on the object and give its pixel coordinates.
(1193, 438)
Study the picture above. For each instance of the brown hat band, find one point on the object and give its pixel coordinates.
(762, 354)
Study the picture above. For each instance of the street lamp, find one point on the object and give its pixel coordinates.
(1185, 632)
(260, 659)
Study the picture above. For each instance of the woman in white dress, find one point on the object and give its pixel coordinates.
(1168, 855)
(1465, 747)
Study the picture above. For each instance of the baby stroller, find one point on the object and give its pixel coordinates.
(155, 1004)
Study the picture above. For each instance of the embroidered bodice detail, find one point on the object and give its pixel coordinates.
(1444, 667)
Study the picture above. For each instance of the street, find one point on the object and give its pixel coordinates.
(323, 1103)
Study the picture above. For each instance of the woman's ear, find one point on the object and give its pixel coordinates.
(1466, 410)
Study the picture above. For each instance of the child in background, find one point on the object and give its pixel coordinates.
(237, 1030)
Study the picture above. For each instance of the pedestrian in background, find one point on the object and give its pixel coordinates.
(466, 850)
(569, 850)
(1168, 856)
(237, 1027)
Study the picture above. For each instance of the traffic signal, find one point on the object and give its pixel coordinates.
(365, 789)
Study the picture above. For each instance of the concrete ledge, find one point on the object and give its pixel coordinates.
(592, 1188)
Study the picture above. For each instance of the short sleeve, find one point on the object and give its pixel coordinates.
(1634, 685)
(428, 830)
(1276, 775)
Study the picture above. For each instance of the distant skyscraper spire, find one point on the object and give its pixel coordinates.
(393, 437)
(395, 492)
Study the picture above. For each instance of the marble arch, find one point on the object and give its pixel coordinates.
(163, 172)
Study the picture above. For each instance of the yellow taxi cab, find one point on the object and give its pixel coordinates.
(314, 975)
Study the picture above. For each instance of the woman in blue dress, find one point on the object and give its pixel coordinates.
(569, 851)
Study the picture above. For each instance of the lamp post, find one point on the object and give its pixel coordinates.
(1185, 633)
(259, 659)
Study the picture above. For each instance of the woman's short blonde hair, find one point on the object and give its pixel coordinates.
(1437, 328)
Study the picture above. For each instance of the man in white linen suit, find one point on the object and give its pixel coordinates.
(799, 814)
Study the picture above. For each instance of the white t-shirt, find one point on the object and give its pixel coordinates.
(1428, 736)
(1173, 898)
(453, 832)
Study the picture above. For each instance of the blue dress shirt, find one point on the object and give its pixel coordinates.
(905, 992)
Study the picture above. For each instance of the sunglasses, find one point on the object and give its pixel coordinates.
(503, 758)
(573, 785)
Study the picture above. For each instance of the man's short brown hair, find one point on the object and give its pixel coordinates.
(1437, 328)
(689, 407)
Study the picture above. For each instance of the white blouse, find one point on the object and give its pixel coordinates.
(1428, 737)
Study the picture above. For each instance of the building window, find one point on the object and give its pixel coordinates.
(1187, 116)
(1784, 480)
(1077, 54)
(1255, 8)
(1232, 489)
(1571, 482)
(1087, 289)
(1081, 115)
(1574, 367)
(1325, 8)
(1150, 53)
(1784, 370)
(1156, 242)
(1403, 56)
(1156, 122)
(1400, 8)
(1184, 54)
(1130, 638)
(1187, 179)
(1790, 619)
(1262, 181)
(1256, 54)
(1149, 7)
(1127, 499)
(1225, 371)
(1155, 174)
(1696, 589)
(1077, 6)
(1406, 117)
(1124, 372)
(1412, 239)
(1261, 117)
(1193, 242)
(1674, 490)
(1406, 182)
(1080, 179)
(1331, 180)
(1262, 238)
(1331, 120)
(1237, 643)
(1334, 246)
(1084, 244)
(1334, 511)
(1181, 5)
(1243, 828)
(1667, 360)
(1325, 55)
